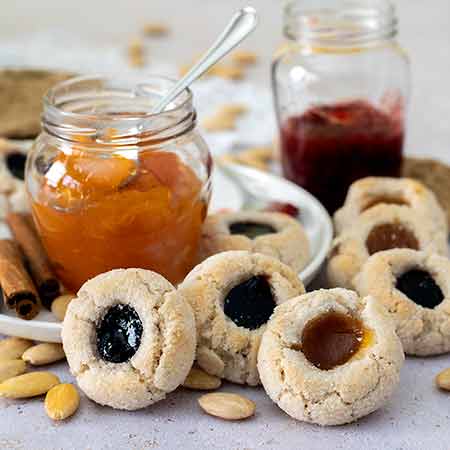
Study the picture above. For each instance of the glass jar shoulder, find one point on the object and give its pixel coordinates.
(292, 55)
(86, 171)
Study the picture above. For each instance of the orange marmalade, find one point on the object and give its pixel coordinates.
(100, 210)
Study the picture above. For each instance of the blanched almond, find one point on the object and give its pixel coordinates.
(227, 406)
(244, 57)
(155, 29)
(13, 347)
(60, 304)
(61, 401)
(28, 385)
(10, 368)
(262, 153)
(225, 117)
(227, 72)
(136, 52)
(219, 123)
(45, 353)
(443, 379)
(252, 161)
(228, 158)
(233, 109)
(200, 380)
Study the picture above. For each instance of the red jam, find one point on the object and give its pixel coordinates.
(328, 147)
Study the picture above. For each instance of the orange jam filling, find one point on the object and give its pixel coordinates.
(390, 235)
(97, 213)
(332, 339)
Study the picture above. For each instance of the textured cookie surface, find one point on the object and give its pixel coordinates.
(415, 289)
(228, 343)
(21, 93)
(382, 227)
(341, 394)
(433, 174)
(273, 234)
(13, 156)
(163, 356)
(371, 191)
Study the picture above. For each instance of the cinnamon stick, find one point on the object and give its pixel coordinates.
(40, 268)
(19, 291)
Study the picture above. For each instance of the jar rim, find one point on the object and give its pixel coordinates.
(340, 22)
(87, 105)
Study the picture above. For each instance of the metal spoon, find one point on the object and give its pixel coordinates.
(239, 27)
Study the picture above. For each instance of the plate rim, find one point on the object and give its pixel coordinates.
(314, 265)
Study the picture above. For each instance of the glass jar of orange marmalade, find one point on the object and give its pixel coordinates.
(113, 185)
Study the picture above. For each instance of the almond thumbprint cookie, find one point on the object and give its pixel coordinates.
(13, 158)
(329, 357)
(383, 227)
(233, 295)
(415, 289)
(129, 338)
(273, 234)
(368, 192)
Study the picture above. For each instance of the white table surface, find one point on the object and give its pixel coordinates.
(417, 417)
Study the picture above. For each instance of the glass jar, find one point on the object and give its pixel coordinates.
(114, 186)
(341, 87)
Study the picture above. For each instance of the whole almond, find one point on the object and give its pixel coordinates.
(42, 354)
(13, 347)
(261, 153)
(443, 379)
(61, 401)
(219, 122)
(10, 368)
(227, 72)
(233, 109)
(244, 57)
(60, 304)
(136, 52)
(155, 29)
(200, 380)
(28, 385)
(227, 406)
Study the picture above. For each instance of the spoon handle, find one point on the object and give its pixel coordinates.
(241, 24)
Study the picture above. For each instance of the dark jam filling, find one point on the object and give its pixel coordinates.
(119, 334)
(331, 340)
(251, 303)
(420, 287)
(328, 147)
(251, 229)
(388, 236)
(15, 162)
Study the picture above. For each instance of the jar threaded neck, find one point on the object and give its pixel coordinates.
(106, 111)
(340, 23)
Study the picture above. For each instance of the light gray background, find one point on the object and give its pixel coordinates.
(418, 416)
(424, 32)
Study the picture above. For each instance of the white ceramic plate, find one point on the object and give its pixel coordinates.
(235, 188)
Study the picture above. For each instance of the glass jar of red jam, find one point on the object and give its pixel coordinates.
(113, 185)
(341, 86)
